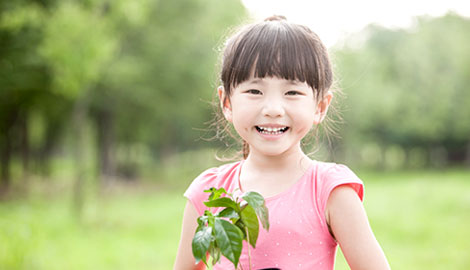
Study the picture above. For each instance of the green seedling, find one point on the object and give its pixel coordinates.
(236, 221)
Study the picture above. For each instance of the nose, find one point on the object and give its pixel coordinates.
(273, 108)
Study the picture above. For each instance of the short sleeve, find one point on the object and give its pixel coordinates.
(195, 192)
(332, 176)
(225, 176)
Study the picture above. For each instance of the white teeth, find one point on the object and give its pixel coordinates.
(269, 130)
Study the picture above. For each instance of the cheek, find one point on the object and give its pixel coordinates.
(241, 124)
(240, 119)
(305, 120)
(244, 112)
(305, 128)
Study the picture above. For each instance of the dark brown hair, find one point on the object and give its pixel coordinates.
(278, 48)
(275, 47)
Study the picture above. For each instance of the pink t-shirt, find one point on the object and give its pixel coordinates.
(298, 237)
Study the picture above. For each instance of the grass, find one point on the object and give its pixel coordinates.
(421, 219)
(132, 230)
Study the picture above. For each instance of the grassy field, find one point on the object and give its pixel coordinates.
(421, 219)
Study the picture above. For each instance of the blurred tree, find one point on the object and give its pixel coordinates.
(153, 93)
(78, 44)
(409, 87)
(23, 76)
(142, 68)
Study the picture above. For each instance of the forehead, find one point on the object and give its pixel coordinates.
(252, 80)
(259, 75)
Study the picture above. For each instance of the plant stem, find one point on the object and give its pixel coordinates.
(248, 244)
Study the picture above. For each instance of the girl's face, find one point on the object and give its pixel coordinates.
(271, 114)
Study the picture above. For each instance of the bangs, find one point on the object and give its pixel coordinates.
(277, 49)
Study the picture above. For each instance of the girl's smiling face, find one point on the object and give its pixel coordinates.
(272, 114)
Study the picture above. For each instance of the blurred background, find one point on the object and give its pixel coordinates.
(106, 108)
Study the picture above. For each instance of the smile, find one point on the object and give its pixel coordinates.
(271, 131)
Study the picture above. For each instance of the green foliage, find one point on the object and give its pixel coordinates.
(256, 201)
(250, 223)
(229, 239)
(150, 66)
(202, 241)
(15, 19)
(174, 55)
(216, 235)
(408, 87)
(141, 70)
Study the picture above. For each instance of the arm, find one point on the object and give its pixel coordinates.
(348, 221)
(184, 257)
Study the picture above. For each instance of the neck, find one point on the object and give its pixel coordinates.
(286, 161)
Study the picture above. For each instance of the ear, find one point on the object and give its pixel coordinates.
(225, 103)
(322, 108)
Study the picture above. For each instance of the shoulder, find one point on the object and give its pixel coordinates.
(334, 173)
(329, 176)
(225, 176)
(215, 175)
(332, 169)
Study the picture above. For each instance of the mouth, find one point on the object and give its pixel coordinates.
(271, 130)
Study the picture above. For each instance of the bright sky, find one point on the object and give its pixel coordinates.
(333, 20)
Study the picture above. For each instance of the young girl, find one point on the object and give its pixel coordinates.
(276, 80)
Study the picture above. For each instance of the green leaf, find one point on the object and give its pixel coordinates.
(208, 218)
(229, 239)
(201, 242)
(215, 193)
(263, 214)
(228, 213)
(255, 200)
(249, 218)
(214, 251)
(202, 220)
(239, 223)
(222, 202)
(207, 214)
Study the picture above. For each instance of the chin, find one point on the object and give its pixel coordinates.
(273, 152)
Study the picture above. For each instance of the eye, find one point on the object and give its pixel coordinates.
(293, 93)
(253, 92)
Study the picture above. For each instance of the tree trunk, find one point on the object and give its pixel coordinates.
(79, 121)
(407, 163)
(438, 156)
(54, 129)
(467, 155)
(24, 145)
(5, 157)
(6, 149)
(106, 138)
